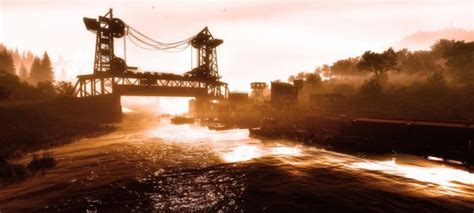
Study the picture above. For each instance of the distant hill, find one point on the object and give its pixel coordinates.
(422, 40)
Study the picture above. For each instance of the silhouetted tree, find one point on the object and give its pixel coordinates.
(378, 63)
(47, 69)
(325, 70)
(6, 62)
(440, 47)
(23, 73)
(35, 71)
(436, 79)
(291, 78)
(4, 93)
(12, 88)
(63, 88)
(345, 67)
(418, 62)
(312, 79)
(9, 82)
(46, 88)
(439, 82)
(16, 57)
(6, 80)
(460, 61)
(371, 87)
(41, 69)
(27, 58)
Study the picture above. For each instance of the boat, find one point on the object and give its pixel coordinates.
(218, 126)
(268, 129)
(182, 120)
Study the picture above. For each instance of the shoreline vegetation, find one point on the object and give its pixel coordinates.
(36, 113)
(29, 127)
(433, 84)
(409, 101)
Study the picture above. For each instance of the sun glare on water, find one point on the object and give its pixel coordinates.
(280, 150)
(249, 152)
(172, 105)
(158, 105)
(243, 153)
(448, 179)
(126, 110)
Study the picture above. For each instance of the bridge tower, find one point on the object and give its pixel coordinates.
(112, 76)
(106, 29)
(206, 45)
(258, 89)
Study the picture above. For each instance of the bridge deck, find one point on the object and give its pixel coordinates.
(143, 90)
(149, 84)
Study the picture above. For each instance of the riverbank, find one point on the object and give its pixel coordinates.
(33, 126)
(152, 166)
(448, 141)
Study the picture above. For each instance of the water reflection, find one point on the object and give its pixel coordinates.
(242, 153)
(190, 168)
(126, 110)
(232, 145)
(282, 150)
(449, 180)
(246, 152)
(235, 146)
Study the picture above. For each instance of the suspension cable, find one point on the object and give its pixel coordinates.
(136, 41)
(148, 43)
(176, 47)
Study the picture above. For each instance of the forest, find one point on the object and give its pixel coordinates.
(434, 84)
(25, 77)
(35, 110)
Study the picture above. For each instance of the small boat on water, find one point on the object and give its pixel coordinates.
(268, 128)
(218, 126)
(182, 120)
(263, 132)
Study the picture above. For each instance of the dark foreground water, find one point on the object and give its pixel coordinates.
(148, 165)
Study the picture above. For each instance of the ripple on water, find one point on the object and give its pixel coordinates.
(153, 166)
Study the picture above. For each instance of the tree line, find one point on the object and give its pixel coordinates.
(448, 61)
(40, 70)
(22, 83)
(435, 83)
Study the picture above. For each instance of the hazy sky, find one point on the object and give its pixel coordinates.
(263, 40)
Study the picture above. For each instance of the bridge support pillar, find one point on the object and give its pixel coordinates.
(203, 108)
(104, 108)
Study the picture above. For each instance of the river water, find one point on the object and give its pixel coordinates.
(151, 165)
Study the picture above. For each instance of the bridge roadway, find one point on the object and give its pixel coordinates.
(149, 84)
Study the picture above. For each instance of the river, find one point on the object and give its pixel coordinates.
(151, 165)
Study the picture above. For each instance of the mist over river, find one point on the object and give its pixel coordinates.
(151, 165)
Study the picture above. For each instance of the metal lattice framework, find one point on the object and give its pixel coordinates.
(104, 49)
(206, 45)
(111, 74)
(147, 84)
(106, 29)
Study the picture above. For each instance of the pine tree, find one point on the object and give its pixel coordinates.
(35, 71)
(16, 58)
(28, 59)
(6, 62)
(46, 68)
(23, 73)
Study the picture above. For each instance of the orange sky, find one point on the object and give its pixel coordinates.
(263, 40)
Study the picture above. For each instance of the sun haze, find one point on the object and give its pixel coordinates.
(265, 39)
